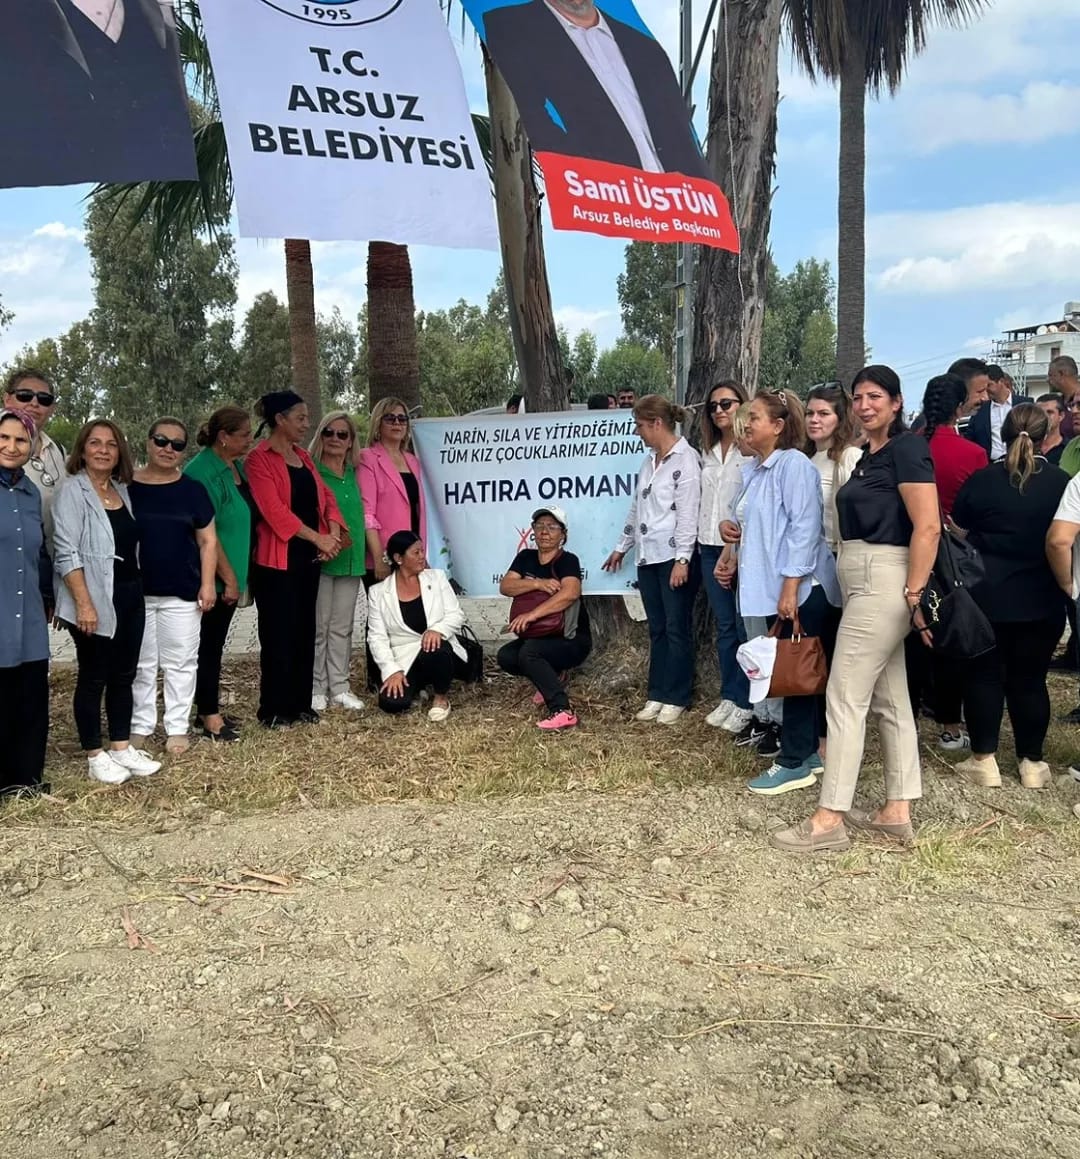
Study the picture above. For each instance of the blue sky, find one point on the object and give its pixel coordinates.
(973, 203)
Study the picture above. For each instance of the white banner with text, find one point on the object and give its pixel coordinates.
(347, 120)
(485, 475)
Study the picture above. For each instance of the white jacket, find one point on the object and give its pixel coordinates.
(393, 643)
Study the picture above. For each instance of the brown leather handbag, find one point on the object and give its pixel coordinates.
(801, 668)
(553, 624)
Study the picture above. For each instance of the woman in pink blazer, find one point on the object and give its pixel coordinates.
(390, 483)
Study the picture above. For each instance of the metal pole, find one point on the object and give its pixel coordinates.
(684, 253)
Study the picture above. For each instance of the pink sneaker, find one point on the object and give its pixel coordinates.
(564, 719)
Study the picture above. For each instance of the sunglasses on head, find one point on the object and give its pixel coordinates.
(43, 396)
(329, 434)
(164, 441)
(395, 419)
(724, 404)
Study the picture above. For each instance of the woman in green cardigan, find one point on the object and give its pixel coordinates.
(225, 438)
(336, 452)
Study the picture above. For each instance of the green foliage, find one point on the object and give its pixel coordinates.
(6, 317)
(798, 343)
(630, 366)
(646, 291)
(581, 363)
(466, 359)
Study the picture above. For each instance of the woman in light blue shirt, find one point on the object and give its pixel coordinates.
(785, 567)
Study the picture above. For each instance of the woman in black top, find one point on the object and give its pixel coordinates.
(554, 574)
(889, 524)
(1006, 510)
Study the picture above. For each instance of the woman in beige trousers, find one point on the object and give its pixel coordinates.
(889, 530)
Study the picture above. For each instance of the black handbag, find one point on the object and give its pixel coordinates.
(471, 669)
(958, 626)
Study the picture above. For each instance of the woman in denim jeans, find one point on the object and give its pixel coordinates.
(721, 465)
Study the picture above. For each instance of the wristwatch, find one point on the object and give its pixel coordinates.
(681, 559)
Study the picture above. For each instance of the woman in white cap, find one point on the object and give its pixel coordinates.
(553, 631)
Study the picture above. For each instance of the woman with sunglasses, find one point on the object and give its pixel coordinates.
(336, 452)
(29, 392)
(225, 439)
(300, 529)
(178, 556)
(391, 484)
(721, 476)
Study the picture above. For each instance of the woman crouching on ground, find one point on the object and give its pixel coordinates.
(553, 633)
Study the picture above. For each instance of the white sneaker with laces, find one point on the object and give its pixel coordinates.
(438, 712)
(650, 712)
(952, 742)
(318, 703)
(347, 700)
(669, 714)
(104, 769)
(720, 713)
(137, 763)
(737, 720)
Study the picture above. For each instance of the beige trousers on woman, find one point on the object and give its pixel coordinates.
(869, 675)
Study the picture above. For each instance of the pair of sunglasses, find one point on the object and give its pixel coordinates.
(723, 404)
(395, 419)
(163, 441)
(329, 434)
(43, 396)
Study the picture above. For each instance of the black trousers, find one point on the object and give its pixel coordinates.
(434, 669)
(1014, 674)
(24, 711)
(285, 600)
(212, 633)
(108, 666)
(541, 660)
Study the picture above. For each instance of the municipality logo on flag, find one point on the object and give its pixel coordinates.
(336, 13)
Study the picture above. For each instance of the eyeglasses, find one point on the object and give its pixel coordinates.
(546, 528)
(46, 479)
(164, 441)
(724, 404)
(1074, 405)
(329, 434)
(43, 396)
(396, 419)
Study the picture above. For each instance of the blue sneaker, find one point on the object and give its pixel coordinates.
(780, 780)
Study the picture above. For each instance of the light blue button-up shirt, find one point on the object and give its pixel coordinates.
(24, 635)
(783, 533)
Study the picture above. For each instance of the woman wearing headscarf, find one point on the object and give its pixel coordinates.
(413, 621)
(300, 529)
(25, 602)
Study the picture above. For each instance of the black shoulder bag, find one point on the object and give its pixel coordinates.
(471, 669)
(958, 626)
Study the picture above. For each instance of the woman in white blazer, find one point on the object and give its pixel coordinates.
(413, 621)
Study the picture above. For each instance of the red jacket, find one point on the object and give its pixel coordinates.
(955, 458)
(268, 477)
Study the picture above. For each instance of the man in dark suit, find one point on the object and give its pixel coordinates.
(588, 85)
(984, 428)
(91, 90)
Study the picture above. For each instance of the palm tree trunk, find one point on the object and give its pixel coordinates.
(741, 150)
(851, 254)
(300, 289)
(517, 206)
(393, 361)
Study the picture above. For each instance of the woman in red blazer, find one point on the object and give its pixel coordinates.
(300, 527)
(390, 483)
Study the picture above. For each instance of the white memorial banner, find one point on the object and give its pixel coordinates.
(485, 475)
(347, 120)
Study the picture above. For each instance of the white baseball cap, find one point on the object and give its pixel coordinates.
(756, 658)
(556, 513)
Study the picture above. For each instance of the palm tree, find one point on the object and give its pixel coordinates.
(865, 45)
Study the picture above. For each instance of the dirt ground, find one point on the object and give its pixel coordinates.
(627, 973)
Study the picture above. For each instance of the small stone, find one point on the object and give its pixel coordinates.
(520, 923)
(663, 865)
(752, 820)
(1076, 810)
(577, 1040)
(218, 817)
(983, 1071)
(1063, 1117)
(188, 1101)
(402, 856)
(235, 1134)
(959, 1093)
(948, 1060)
(34, 1010)
(775, 1137)
(569, 899)
(220, 1114)
(507, 1117)
(658, 1112)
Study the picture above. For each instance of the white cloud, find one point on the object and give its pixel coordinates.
(60, 232)
(576, 318)
(1016, 244)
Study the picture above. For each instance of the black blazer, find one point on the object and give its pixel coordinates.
(79, 108)
(541, 64)
(978, 428)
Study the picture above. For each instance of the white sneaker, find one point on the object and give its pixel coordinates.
(318, 703)
(347, 700)
(669, 714)
(720, 713)
(137, 763)
(737, 720)
(438, 712)
(651, 710)
(104, 769)
(1034, 774)
(953, 742)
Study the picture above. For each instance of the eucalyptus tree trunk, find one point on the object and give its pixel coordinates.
(851, 218)
(517, 207)
(303, 343)
(393, 359)
(741, 151)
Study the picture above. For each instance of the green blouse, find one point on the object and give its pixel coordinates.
(232, 515)
(346, 490)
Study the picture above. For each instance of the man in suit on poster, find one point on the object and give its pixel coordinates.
(91, 91)
(588, 85)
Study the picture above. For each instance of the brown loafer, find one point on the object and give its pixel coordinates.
(864, 820)
(802, 839)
